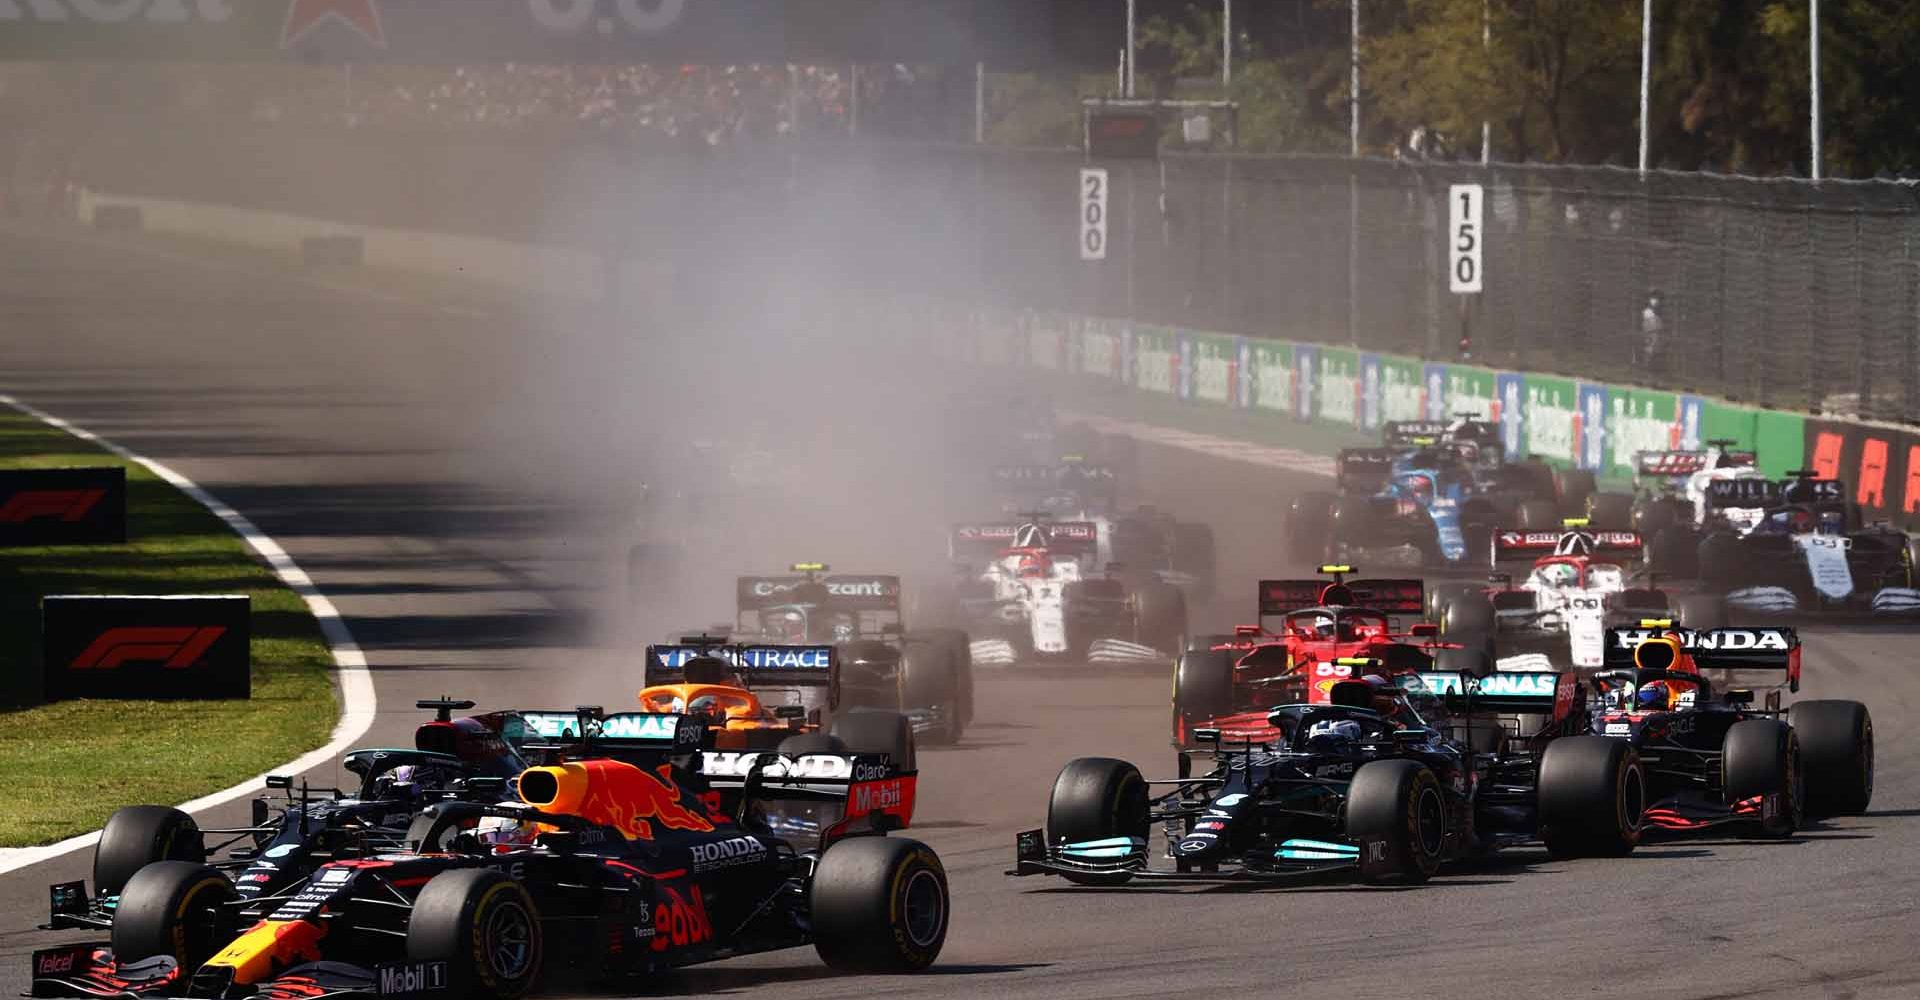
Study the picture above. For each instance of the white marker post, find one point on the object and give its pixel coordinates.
(1465, 213)
(1093, 214)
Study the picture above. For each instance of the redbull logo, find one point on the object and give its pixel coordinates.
(680, 921)
(616, 794)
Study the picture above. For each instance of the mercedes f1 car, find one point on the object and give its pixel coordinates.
(1036, 586)
(925, 674)
(1373, 782)
(616, 863)
(294, 833)
(1710, 757)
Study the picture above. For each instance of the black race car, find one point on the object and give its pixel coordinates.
(1710, 757)
(1382, 782)
(620, 860)
(292, 835)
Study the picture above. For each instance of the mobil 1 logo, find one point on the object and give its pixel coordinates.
(402, 978)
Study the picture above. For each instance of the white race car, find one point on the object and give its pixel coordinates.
(1577, 586)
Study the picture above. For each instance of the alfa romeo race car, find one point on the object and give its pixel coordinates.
(1370, 782)
(1034, 586)
(614, 864)
(1793, 546)
(293, 834)
(1144, 541)
(925, 674)
(1709, 757)
(785, 697)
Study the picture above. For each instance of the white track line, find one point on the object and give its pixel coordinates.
(356, 685)
(1266, 456)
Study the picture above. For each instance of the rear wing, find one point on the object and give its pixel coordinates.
(1068, 474)
(849, 591)
(1404, 433)
(784, 665)
(1363, 468)
(1675, 464)
(1512, 692)
(877, 790)
(1278, 597)
(619, 731)
(1772, 648)
(1515, 545)
(977, 541)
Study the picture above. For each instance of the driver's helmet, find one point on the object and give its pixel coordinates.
(1315, 627)
(713, 669)
(503, 833)
(397, 782)
(1802, 522)
(706, 705)
(786, 624)
(1031, 567)
(1333, 735)
(1418, 488)
(1620, 698)
(1559, 575)
(1653, 696)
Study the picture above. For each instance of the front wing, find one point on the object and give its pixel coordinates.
(1124, 859)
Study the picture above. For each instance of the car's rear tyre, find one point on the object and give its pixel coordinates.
(1309, 527)
(1836, 755)
(137, 836)
(1574, 488)
(1162, 615)
(1592, 796)
(484, 926)
(1195, 554)
(1468, 614)
(879, 904)
(175, 908)
(1537, 515)
(1202, 685)
(1761, 757)
(1721, 562)
(1673, 552)
(931, 679)
(806, 743)
(1441, 595)
(1472, 659)
(1700, 612)
(1097, 798)
(1398, 812)
(1610, 511)
(1654, 516)
(889, 733)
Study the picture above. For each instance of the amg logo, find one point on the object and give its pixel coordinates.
(1719, 639)
(727, 853)
(64, 505)
(412, 977)
(172, 648)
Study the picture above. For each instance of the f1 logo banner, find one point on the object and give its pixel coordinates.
(63, 506)
(146, 647)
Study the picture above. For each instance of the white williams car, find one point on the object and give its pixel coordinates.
(1036, 588)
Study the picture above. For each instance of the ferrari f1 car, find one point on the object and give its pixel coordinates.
(1370, 783)
(1034, 585)
(1792, 546)
(293, 834)
(615, 864)
(1710, 757)
(785, 697)
(926, 674)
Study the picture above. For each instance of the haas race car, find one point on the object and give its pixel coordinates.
(1035, 587)
(926, 674)
(1708, 756)
(620, 859)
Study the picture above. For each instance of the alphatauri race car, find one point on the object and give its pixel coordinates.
(297, 831)
(1710, 757)
(1670, 487)
(1372, 782)
(616, 863)
(1036, 587)
(925, 674)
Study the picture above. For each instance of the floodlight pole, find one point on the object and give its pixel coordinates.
(1646, 58)
(1132, 13)
(1813, 42)
(1353, 87)
(1486, 54)
(1226, 44)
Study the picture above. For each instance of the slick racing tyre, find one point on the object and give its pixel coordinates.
(1398, 812)
(801, 744)
(1537, 515)
(1097, 798)
(484, 926)
(1162, 616)
(1761, 757)
(1673, 552)
(1472, 660)
(879, 904)
(864, 731)
(1836, 755)
(1203, 684)
(1700, 611)
(1469, 614)
(1195, 554)
(1722, 562)
(175, 908)
(1441, 595)
(136, 836)
(1593, 797)
(1575, 490)
(931, 680)
(1309, 528)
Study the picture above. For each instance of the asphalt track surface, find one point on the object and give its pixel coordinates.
(346, 427)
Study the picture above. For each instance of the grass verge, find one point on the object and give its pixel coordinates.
(70, 764)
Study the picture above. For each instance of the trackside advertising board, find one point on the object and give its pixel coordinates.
(63, 506)
(146, 647)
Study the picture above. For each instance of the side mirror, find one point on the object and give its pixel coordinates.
(792, 713)
(1425, 630)
(280, 781)
(1739, 696)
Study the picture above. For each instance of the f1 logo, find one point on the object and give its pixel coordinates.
(172, 648)
(65, 505)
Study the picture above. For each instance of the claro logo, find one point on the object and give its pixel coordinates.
(61, 505)
(172, 648)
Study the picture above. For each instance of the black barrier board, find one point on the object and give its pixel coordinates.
(63, 506)
(1879, 465)
(193, 646)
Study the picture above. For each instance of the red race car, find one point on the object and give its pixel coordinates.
(1328, 631)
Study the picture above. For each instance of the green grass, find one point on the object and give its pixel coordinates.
(69, 765)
